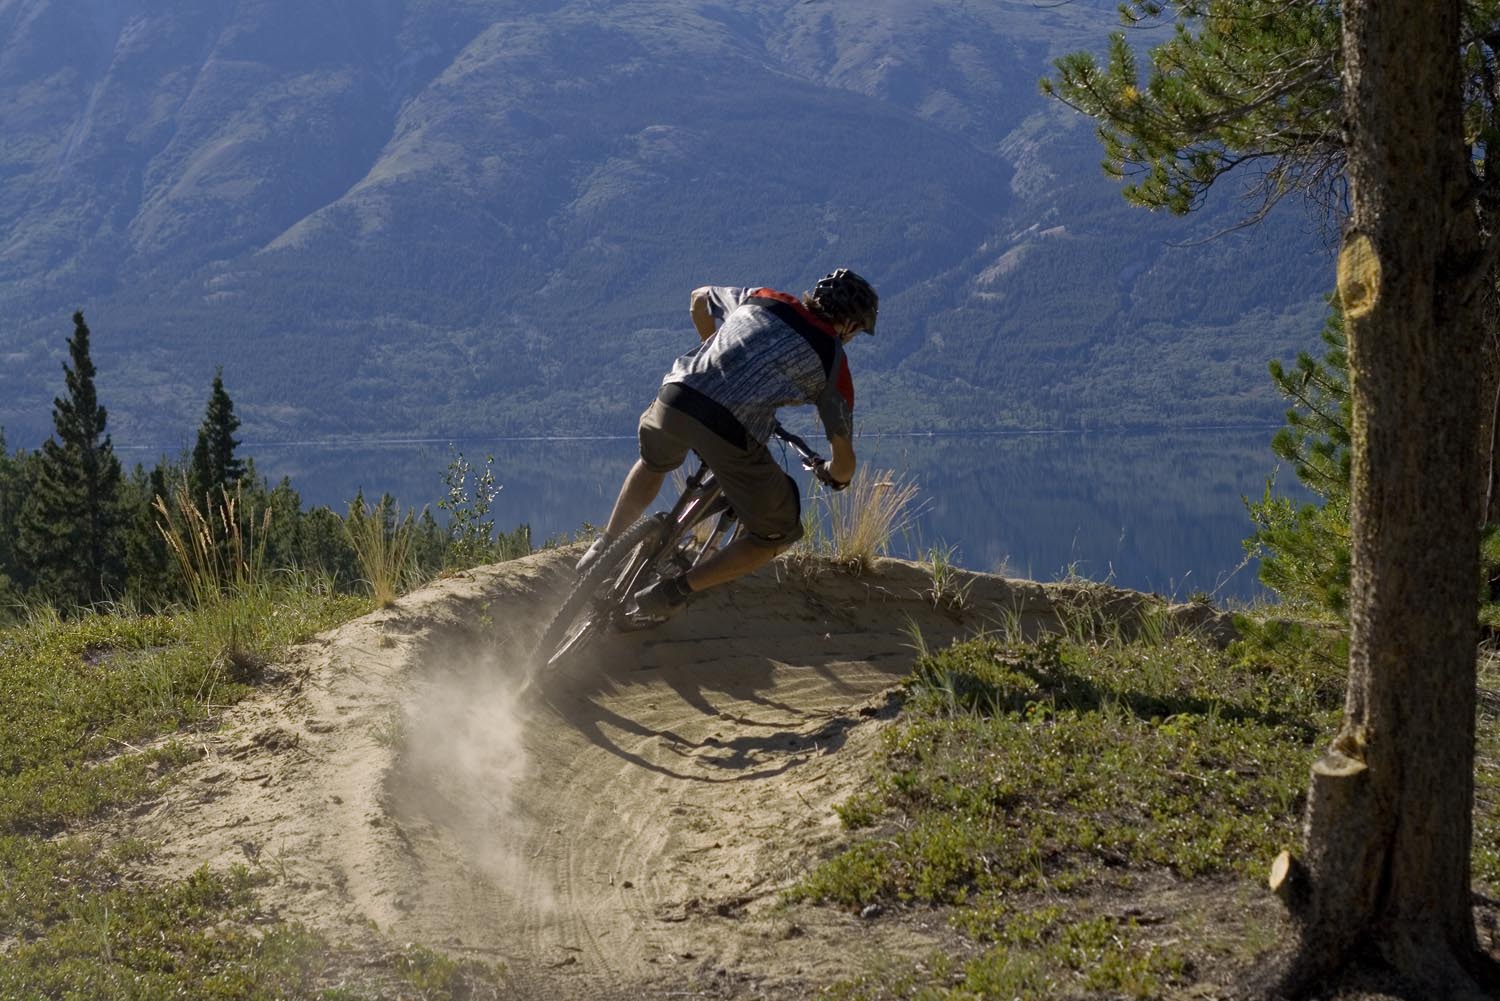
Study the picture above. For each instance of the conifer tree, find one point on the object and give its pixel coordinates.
(69, 532)
(1304, 547)
(284, 533)
(151, 571)
(12, 482)
(1396, 101)
(1258, 86)
(215, 468)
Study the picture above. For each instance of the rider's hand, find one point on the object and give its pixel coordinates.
(820, 470)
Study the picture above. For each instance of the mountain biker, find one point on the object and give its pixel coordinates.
(759, 350)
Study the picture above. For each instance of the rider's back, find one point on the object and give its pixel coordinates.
(770, 351)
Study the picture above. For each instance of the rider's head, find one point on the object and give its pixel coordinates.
(844, 298)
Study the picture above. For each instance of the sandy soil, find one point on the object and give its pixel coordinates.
(620, 831)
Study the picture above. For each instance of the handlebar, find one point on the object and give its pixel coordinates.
(810, 459)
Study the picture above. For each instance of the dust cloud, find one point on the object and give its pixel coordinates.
(463, 762)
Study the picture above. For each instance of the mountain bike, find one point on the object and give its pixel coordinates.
(656, 546)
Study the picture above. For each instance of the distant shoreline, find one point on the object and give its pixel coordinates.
(459, 440)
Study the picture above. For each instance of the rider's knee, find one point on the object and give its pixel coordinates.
(779, 538)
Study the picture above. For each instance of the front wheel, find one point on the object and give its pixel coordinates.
(599, 593)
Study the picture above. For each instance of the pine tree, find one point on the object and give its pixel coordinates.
(152, 575)
(69, 532)
(13, 473)
(1261, 84)
(1304, 547)
(215, 470)
(1394, 103)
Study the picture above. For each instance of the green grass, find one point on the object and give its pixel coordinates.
(93, 720)
(1024, 783)
(1038, 954)
(1487, 780)
(382, 541)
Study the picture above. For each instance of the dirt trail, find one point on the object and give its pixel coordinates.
(620, 832)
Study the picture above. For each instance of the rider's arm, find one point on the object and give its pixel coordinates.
(836, 410)
(709, 305)
(703, 318)
(841, 467)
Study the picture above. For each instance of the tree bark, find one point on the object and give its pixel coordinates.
(1388, 828)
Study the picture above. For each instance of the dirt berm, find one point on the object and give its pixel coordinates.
(620, 831)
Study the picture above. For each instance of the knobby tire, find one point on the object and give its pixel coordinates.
(582, 600)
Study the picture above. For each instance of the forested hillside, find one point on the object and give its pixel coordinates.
(409, 217)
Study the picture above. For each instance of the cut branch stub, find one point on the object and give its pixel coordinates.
(1358, 275)
(1290, 883)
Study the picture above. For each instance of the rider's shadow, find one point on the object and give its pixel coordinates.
(755, 754)
(785, 737)
(770, 662)
(745, 757)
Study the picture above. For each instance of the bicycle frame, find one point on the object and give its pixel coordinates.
(598, 600)
(702, 498)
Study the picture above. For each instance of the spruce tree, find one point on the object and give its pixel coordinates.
(69, 527)
(215, 468)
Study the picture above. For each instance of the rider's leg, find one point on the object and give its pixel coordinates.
(666, 597)
(770, 513)
(640, 488)
(661, 452)
(743, 555)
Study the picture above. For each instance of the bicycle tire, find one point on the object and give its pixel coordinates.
(580, 615)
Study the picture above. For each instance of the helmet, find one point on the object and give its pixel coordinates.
(844, 295)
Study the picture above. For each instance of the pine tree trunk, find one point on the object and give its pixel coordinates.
(1389, 814)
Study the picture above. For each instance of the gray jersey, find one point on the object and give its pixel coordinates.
(770, 351)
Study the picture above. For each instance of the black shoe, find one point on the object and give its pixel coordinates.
(663, 599)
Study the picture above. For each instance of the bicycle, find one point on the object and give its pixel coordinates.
(643, 554)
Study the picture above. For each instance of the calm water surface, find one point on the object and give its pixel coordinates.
(1158, 512)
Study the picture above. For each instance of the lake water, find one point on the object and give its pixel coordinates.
(1156, 512)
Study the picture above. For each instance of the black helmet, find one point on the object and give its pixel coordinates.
(844, 295)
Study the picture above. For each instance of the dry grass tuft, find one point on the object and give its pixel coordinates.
(382, 541)
(220, 552)
(862, 519)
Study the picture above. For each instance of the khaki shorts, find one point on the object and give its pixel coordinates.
(764, 497)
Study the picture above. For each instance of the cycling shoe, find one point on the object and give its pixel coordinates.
(662, 600)
(587, 559)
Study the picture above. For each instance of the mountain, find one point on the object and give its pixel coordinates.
(469, 218)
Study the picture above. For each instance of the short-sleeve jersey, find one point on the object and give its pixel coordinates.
(770, 351)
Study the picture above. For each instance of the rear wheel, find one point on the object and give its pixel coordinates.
(601, 592)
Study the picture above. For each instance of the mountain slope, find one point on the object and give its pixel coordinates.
(408, 217)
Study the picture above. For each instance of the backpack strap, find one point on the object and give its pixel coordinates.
(806, 314)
